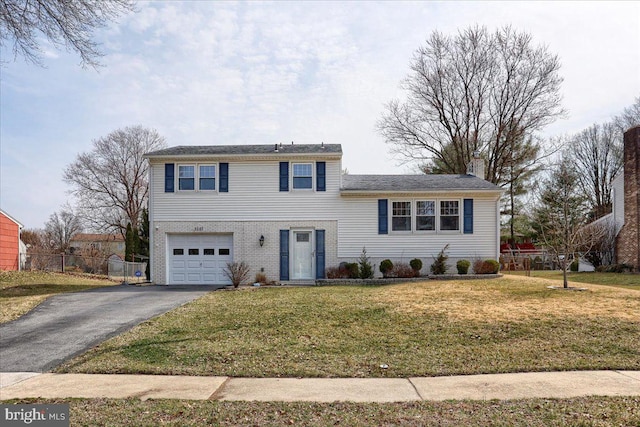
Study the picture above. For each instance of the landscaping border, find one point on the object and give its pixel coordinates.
(390, 281)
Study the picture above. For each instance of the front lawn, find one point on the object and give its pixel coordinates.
(426, 328)
(622, 280)
(584, 411)
(21, 291)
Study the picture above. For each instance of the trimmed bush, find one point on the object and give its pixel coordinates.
(354, 270)
(439, 265)
(416, 265)
(489, 266)
(386, 266)
(463, 266)
(341, 272)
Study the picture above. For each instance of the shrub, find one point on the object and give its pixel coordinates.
(341, 272)
(366, 269)
(353, 269)
(416, 265)
(385, 267)
(463, 266)
(489, 266)
(439, 265)
(574, 265)
(261, 278)
(237, 272)
(402, 270)
(619, 268)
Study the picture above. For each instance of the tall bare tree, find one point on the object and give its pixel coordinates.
(596, 153)
(476, 91)
(110, 182)
(64, 23)
(630, 117)
(61, 227)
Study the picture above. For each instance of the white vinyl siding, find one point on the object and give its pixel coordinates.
(253, 196)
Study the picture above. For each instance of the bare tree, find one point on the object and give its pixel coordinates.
(596, 154)
(61, 227)
(63, 23)
(560, 217)
(477, 91)
(111, 182)
(630, 117)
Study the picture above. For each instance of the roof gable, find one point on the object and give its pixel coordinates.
(6, 215)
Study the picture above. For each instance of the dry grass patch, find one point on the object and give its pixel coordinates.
(21, 291)
(511, 298)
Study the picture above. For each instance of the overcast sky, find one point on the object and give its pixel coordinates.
(205, 73)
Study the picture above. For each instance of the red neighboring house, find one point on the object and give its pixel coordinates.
(9, 242)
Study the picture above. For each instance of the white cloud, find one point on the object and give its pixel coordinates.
(257, 72)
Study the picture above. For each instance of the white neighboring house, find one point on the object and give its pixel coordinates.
(288, 212)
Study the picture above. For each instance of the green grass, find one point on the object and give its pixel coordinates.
(21, 291)
(586, 411)
(622, 280)
(428, 328)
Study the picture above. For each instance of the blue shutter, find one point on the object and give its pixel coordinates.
(284, 176)
(468, 216)
(224, 178)
(284, 254)
(321, 176)
(383, 216)
(320, 259)
(169, 175)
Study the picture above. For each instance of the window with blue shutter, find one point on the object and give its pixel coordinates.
(224, 178)
(320, 257)
(321, 176)
(169, 177)
(284, 254)
(383, 216)
(468, 216)
(284, 176)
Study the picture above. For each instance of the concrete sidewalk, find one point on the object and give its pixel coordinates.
(17, 385)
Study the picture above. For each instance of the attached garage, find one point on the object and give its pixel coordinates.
(199, 259)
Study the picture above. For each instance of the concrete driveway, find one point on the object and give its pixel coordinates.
(68, 324)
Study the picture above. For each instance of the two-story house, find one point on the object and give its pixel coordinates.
(289, 212)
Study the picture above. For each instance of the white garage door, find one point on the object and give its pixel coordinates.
(199, 259)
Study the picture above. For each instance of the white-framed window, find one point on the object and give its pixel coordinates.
(207, 177)
(401, 216)
(449, 215)
(186, 177)
(302, 175)
(425, 215)
(197, 177)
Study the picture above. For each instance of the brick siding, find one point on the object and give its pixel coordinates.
(628, 242)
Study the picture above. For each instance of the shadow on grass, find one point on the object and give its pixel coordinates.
(41, 289)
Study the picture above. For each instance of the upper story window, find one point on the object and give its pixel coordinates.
(303, 175)
(186, 177)
(401, 216)
(199, 177)
(207, 180)
(449, 215)
(425, 215)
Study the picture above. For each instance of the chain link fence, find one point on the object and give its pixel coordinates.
(113, 267)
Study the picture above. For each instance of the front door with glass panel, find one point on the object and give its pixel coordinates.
(302, 255)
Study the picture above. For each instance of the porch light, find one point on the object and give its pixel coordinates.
(261, 240)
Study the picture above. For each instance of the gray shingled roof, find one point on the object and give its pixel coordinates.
(396, 183)
(200, 150)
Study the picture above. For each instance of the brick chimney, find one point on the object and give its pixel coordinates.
(628, 242)
(476, 165)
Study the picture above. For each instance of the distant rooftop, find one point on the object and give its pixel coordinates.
(216, 150)
(396, 183)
